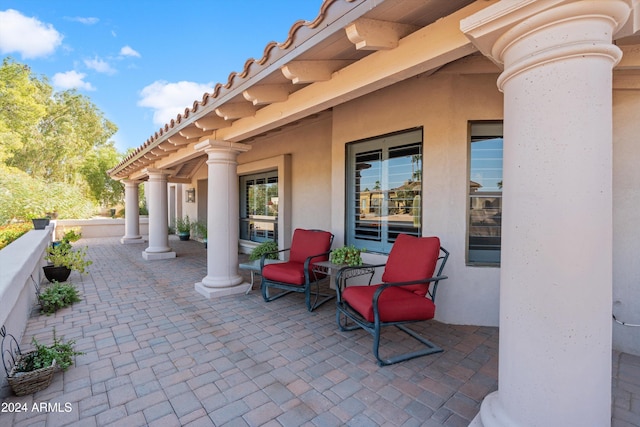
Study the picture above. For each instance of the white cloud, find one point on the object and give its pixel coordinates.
(170, 99)
(99, 65)
(84, 20)
(71, 80)
(129, 51)
(27, 36)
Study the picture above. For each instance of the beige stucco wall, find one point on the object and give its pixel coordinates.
(626, 231)
(308, 145)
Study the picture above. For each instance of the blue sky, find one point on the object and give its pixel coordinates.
(141, 62)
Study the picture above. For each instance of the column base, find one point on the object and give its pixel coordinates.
(152, 256)
(210, 293)
(126, 240)
(492, 414)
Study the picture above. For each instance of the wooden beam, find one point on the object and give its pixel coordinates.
(373, 34)
(301, 72)
(266, 94)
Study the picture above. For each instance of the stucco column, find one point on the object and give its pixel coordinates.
(223, 213)
(158, 218)
(131, 213)
(556, 266)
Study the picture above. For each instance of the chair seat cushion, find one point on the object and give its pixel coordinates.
(291, 273)
(395, 304)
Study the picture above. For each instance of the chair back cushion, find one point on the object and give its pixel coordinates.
(412, 258)
(306, 243)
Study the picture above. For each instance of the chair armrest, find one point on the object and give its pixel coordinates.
(344, 270)
(266, 254)
(307, 263)
(384, 286)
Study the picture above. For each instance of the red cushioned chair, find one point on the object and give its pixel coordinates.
(406, 295)
(297, 275)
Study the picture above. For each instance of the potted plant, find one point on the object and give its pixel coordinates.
(40, 223)
(348, 255)
(63, 259)
(200, 228)
(183, 227)
(263, 248)
(32, 371)
(73, 235)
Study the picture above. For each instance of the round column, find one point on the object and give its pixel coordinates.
(556, 266)
(131, 213)
(158, 220)
(223, 212)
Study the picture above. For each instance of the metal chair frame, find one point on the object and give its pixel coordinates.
(345, 312)
(287, 288)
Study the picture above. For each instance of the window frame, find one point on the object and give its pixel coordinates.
(470, 261)
(385, 144)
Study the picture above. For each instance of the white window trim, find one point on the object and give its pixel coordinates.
(282, 164)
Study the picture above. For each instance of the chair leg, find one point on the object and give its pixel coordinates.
(430, 348)
(265, 293)
(344, 325)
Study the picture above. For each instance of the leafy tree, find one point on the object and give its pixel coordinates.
(22, 106)
(103, 189)
(55, 149)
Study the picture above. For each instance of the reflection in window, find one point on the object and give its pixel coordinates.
(259, 207)
(384, 189)
(485, 193)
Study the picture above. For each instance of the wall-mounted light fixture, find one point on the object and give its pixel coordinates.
(190, 195)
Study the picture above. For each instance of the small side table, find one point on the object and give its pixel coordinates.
(330, 269)
(254, 268)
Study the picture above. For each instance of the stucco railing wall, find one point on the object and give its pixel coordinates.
(21, 264)
(99, 227)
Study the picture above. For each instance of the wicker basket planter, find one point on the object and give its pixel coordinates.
(23, 383)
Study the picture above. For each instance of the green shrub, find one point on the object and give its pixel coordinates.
(349, 255)
(58, 295)
(11, 232)
(263, 248)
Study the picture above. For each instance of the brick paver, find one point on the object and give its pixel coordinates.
(157, 353)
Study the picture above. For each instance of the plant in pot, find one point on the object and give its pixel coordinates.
(63, 259)
(183, 227)
(70, 236)
(32, 371)
(347, 255)
(269, 247)
(40, 223)
(200, 228)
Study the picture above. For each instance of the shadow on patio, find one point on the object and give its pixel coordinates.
(158, 353)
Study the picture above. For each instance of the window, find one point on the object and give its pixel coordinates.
(259, 207)
(485, 193)
(384, 189)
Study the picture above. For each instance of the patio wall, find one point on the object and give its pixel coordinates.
(106, 227)
(21, 265)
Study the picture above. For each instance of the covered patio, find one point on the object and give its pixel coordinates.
(158, 354)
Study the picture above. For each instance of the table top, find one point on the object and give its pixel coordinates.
(255, 265)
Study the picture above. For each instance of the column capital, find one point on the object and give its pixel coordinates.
(155, 171)
(509, 33)
(209, 145)
(130, 182)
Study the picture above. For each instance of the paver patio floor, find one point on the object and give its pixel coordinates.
(157, 353)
